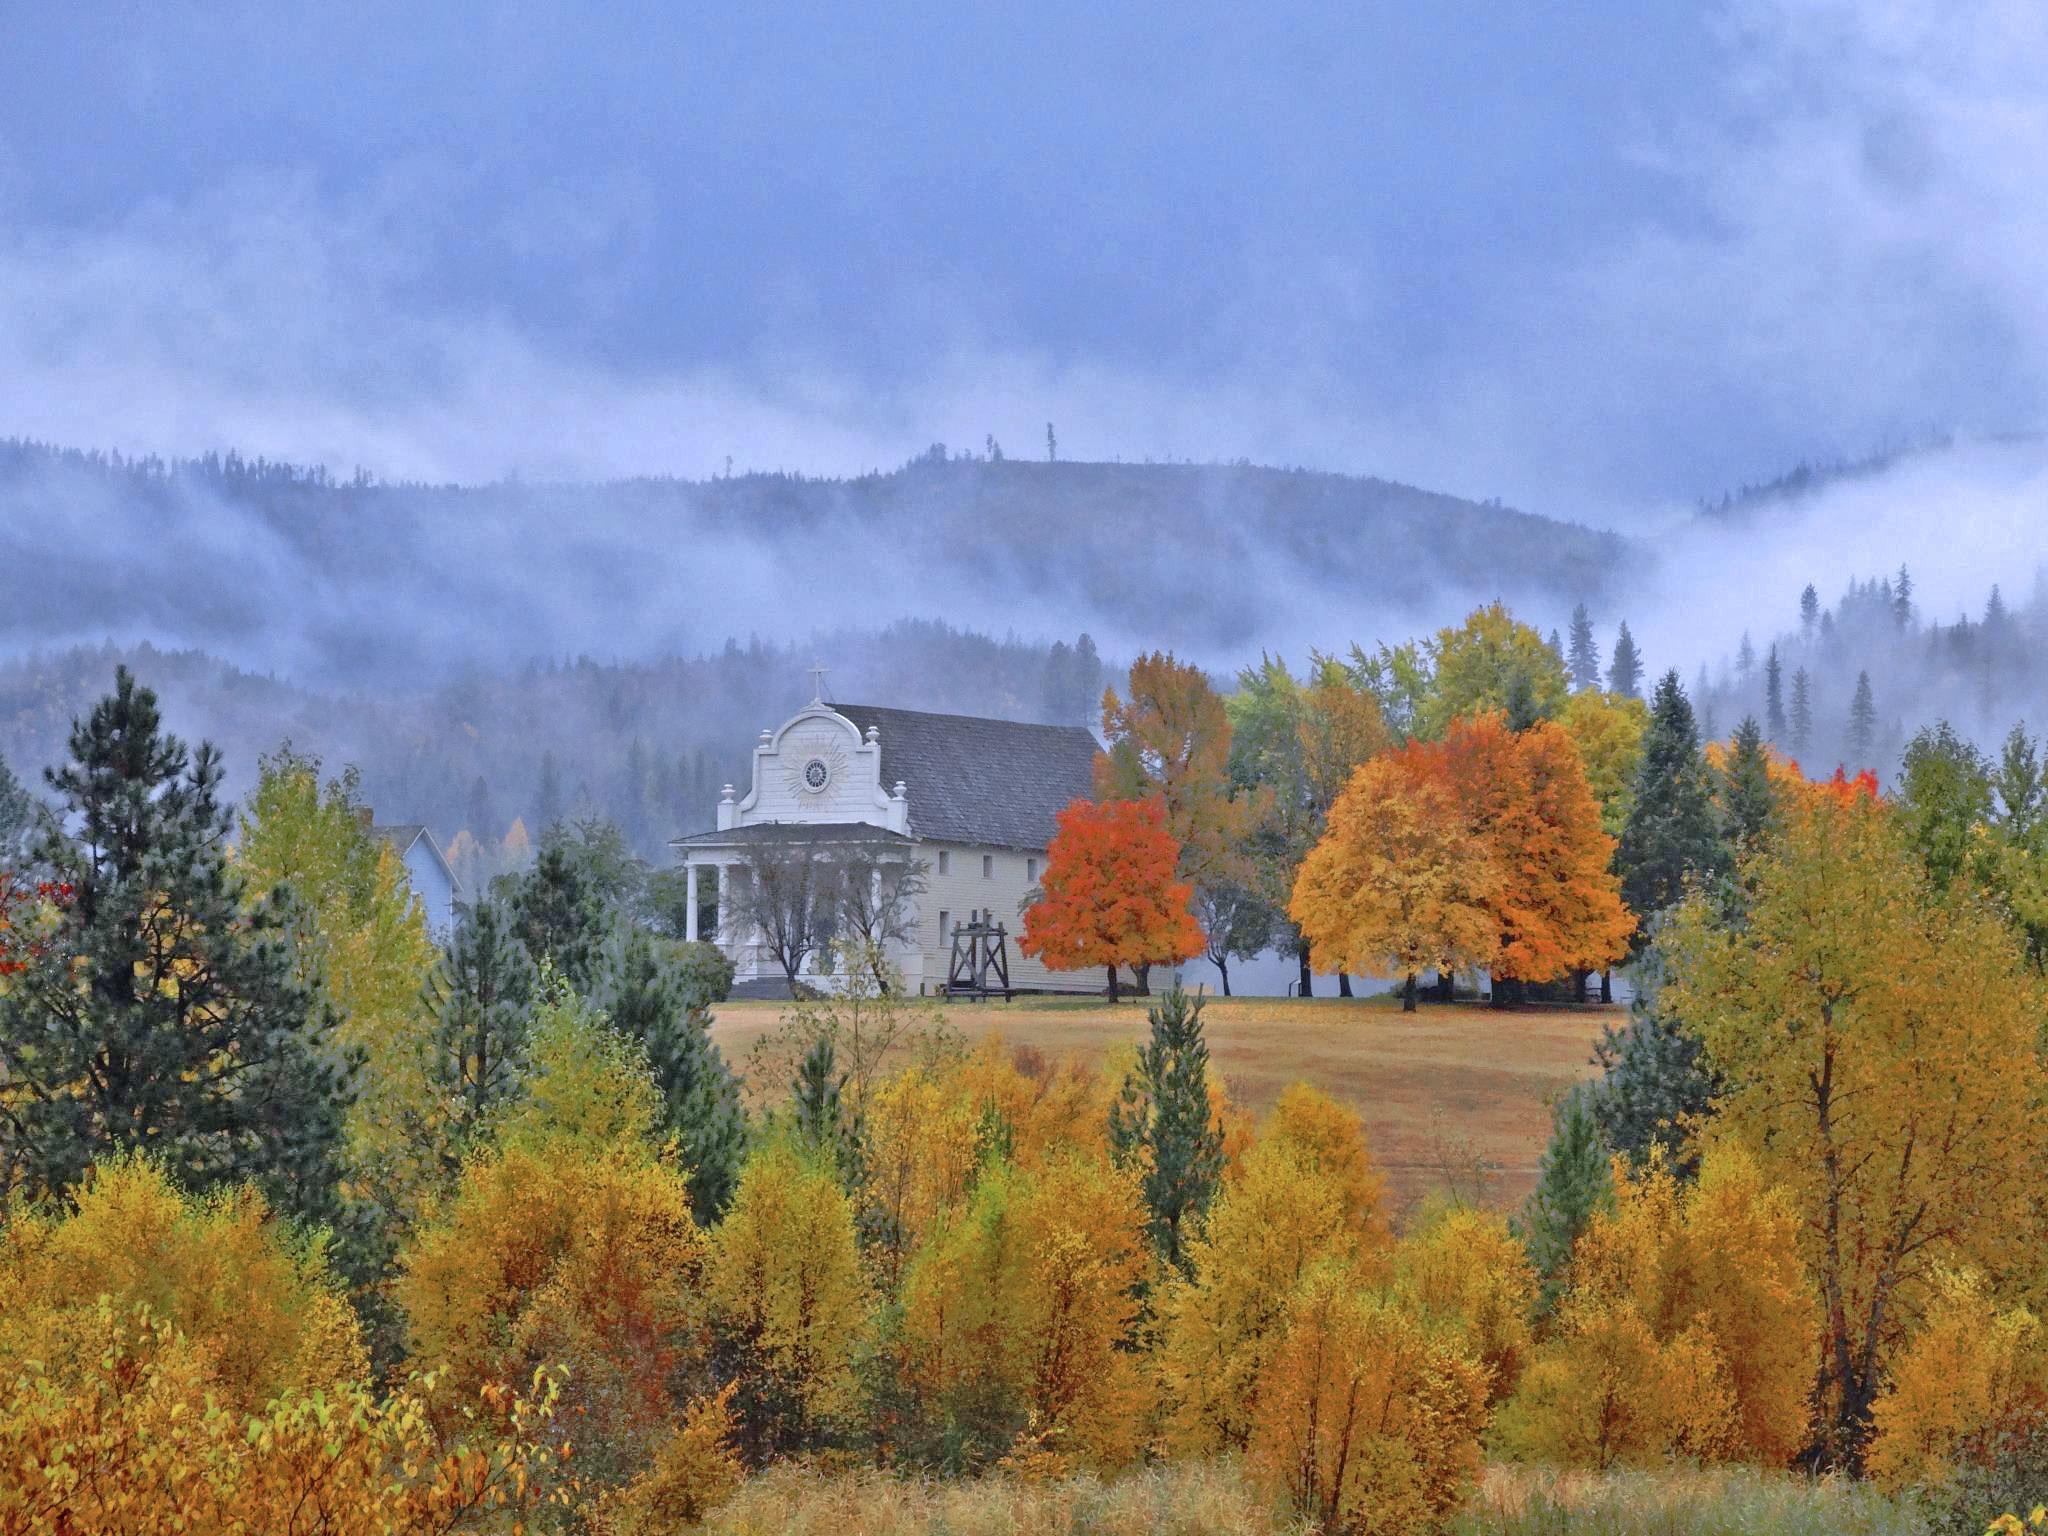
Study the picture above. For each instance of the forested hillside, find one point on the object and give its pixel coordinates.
(409, 581)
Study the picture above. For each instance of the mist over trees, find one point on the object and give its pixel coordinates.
(1849, 682)
(394, 585)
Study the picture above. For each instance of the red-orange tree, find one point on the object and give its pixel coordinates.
(1557, 903)
(1110, 896)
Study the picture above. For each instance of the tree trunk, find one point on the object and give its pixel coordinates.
(1446, 985)
(1343, 983)
(1408, 994)
(1308, 984)
(1223, 970)
(1142, 982)
(1112, 983)
(1607, 986)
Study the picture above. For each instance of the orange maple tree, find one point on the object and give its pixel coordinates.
(1110, 894)
(1557, 903)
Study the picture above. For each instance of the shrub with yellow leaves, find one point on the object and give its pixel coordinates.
(1687, 1329)
(1972, 1376)
(1368, 1419)
(568, 1242)
(1018, 1316)
(1460, 1266)
(131, 1436)
(256, 1306)
(1304, 1191)
(786, 1291)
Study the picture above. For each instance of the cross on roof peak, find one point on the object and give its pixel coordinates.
(817, 684)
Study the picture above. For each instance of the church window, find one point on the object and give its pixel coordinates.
(988, 866)
(945, 924)
(1031, 870)
(945, 861)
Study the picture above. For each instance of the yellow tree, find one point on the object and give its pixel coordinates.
(1461, 1267)
(1297, 1197)
(1607, 728)
(568, 1241)
(1971, 1382)
(1879, 1046)
(1398, 881)
(1018, 1317)
(366, 948)
(785, 1285)
(1687, 1328)
(259, 1308)
(1368, 1419)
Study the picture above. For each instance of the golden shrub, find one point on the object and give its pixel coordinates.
(1368, 1419)
(1971, 1374)
(259, 1309)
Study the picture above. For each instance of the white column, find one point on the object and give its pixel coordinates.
(690, 896)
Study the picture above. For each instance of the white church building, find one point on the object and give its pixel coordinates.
(972, 800)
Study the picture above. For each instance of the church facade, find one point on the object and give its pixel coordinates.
(972, 801)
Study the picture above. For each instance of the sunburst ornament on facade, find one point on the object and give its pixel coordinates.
(814, 773)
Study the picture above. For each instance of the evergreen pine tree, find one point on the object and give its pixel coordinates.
(166, 1014)
(1902, 599)
(1809, 610)
(816, 1110)
(1774, 695)
(484, 996)
(560, 914)
(1656, 1080)
(1087, 696)
(649, 1001)
(1862, 731)
(1522, 709)
(1801, 721)
(1748, 802)
(1745, 660)
(483, 821)
(1625, 670)
(1583, 656)
(17, 817)
(1574, 1183)
(1555, 642)
(1161, 1123)
(547, 796)
(1670, 833)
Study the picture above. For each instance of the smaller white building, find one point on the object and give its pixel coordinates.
(972, 800)
(433, 879)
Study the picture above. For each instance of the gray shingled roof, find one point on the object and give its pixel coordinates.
(996, 782)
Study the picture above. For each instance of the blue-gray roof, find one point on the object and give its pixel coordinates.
(994, 782)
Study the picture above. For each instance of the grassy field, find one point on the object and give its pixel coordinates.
(1440, 1089)
(1215, 1499)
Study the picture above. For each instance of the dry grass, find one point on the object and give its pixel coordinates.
(1187, 1499)
(1214, 1499)
(1441, 1087)
(1679, 1501)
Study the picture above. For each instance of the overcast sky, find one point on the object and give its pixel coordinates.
(1597, 258)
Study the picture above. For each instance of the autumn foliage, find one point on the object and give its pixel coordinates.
(1482, 848)
(1111, 895)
